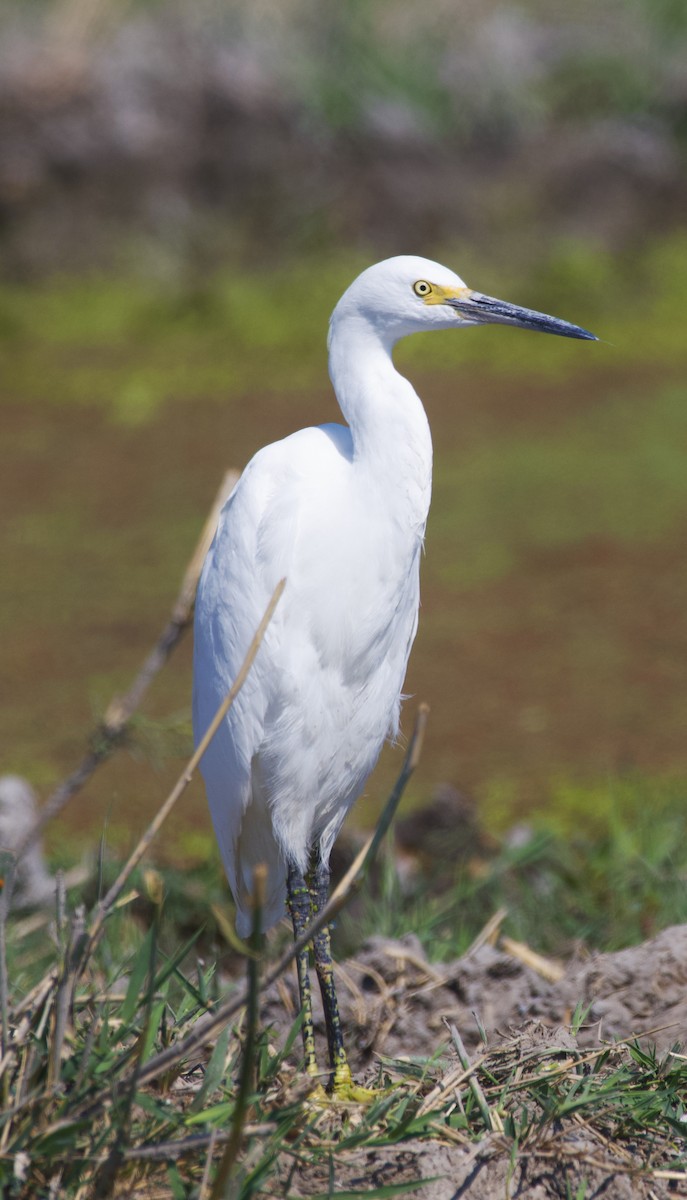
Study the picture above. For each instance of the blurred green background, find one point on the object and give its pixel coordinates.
(185, 190)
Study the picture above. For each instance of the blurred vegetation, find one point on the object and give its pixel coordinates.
(604, 866)
(618, 476)
(600, 866)
(173, 134)
(128, 345)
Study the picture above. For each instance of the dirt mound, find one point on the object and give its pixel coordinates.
(398, 1005)
(395, 1003)
(486, 1172)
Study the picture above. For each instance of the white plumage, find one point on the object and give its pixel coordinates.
(340, 512)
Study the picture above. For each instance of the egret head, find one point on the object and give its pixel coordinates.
(407, 294)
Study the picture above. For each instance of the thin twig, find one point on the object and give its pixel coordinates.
(89, 1043)
(121, 709)
(106, 904)
(5, 897)
(449, 1084)
(549, 969)
(195, 1142)
(488, 933)
(369, 852)
(207, 1025)
(252, 1014)
(64, 991)
(107, 1174)
(202, 1190)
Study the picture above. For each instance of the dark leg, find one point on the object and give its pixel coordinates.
(319, 892)
(298, 900)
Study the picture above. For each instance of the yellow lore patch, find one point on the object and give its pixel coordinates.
(440, 295)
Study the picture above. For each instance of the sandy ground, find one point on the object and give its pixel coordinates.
(398, 1004)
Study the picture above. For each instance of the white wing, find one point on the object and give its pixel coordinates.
(252, 550)
(325, 688)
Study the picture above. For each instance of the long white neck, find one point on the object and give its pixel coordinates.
(388, 424)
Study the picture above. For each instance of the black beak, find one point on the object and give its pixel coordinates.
(485, 310)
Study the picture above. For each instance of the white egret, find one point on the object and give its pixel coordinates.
(340, 512)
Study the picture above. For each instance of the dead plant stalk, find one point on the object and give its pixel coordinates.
(106, 905)
(121, 708)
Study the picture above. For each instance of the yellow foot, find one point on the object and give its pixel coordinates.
(345, 1089)
(318, 1096)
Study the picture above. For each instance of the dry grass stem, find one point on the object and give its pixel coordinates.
(163, 1151)
(64, 991)
(548, 968)
(490, 1117)
(121, 709)
(489, 934)
(245, 1083)
(186, 776)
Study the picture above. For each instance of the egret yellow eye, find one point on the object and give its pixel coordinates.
(422, 288)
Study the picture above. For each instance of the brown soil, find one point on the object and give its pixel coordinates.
(398, 1004)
